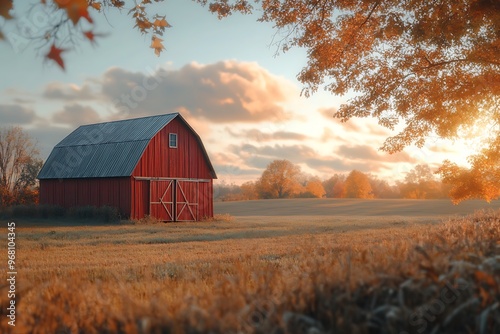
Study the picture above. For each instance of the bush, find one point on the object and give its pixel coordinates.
(104, 213)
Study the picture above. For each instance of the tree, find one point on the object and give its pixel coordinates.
(382, 189)
(433, 64)
(482, 180)
(357, 185)
(19, 167)
(313, 189)
(334, 186)
(279, 180)
(420, 183)
(249, 191)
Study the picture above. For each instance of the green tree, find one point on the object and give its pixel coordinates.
(357, 185)
(279, 180)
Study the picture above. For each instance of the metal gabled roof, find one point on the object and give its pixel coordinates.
(110, 149)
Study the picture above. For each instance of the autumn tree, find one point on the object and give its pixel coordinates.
(357, 185)
(420, 183)
(313, 189)
(435, 65)
(334, 186)
(382, 188)
(279, 180)
(19, 167)
(249, 191)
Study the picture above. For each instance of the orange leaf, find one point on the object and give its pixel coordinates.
(90, 36)
(5, 7)
(96, 5)
(55, 55)
(161, 23)
(75, 9)
(143, 25)
(157, 45)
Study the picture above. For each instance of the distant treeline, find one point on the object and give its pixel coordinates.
(283, 179)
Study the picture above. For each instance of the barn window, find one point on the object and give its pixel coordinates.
(172, 140)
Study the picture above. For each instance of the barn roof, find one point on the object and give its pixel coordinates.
(110, 149)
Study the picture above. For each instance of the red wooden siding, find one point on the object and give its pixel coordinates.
(140, 199)
(185, 161)
(68, 193)
(205, 200)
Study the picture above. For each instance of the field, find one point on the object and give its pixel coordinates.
(294, 266)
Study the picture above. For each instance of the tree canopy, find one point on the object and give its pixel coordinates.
(431, 66)
(357, 185)
(279, 180)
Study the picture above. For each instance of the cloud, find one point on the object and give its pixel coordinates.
(292, 152)
(442, 149)
(15, 114)
(47, 137)
(378, 130)
(260, 136)
(76, 115)
(366, 152)
(328, 112)
(60, 91)
(226, 91)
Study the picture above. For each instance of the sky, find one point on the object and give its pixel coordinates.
(225, 77)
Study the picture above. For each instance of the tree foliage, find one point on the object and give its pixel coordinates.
(420, 183)
(19, 167)
(357, 185)
(433, 65)
(279, 180)
(313, 189)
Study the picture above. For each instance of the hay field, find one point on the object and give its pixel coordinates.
(271, 274)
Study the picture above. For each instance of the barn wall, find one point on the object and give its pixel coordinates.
(115, 192)
(205, 200)
(140, 199)
(185, 161)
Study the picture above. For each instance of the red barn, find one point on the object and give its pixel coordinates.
(145, 166)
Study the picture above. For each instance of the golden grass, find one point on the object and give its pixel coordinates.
(300, 276)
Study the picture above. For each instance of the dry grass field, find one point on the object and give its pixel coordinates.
(285, 271)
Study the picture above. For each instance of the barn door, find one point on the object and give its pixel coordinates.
(162, 200)
(186, 200)
(174, 200)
